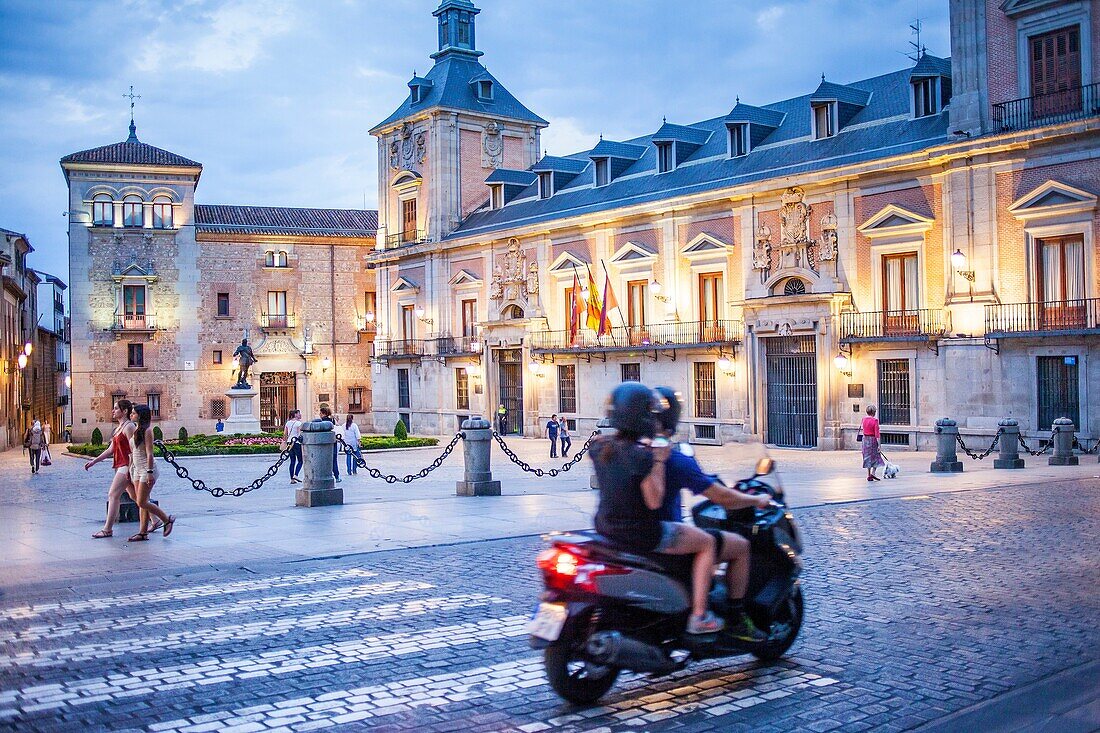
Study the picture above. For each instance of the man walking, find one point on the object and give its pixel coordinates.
(552, 434)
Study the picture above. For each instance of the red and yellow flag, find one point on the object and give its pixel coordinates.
(609, 302)
(576, 308)
(594, 307)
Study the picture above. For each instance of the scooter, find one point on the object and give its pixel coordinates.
(605, 610)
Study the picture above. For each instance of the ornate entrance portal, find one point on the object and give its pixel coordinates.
(278, 397)
(792, 391)
(510, 362)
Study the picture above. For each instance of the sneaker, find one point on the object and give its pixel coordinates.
(745, 630)
(337, 479)
(708, 623)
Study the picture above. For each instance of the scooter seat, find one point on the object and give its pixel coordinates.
(602, 548)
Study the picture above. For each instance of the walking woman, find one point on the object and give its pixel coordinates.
(119, 453)
(144, 474)
(872, 454)
(352, 445)
(291, 431)
(34, 441)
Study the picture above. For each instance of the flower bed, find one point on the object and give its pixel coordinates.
(244, 445)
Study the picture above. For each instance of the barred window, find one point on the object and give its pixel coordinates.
(217, 408)
(355, 399)
(152, 400)
(706, 399)
(462, 389)
(403, 398)
(632, 372)
(567, 388)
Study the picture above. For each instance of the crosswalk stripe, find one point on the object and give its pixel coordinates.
(182, 593)
(244, 605)
(253, 629)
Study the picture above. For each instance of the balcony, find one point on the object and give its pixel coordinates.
(905, 325)
(651, 337)
(62, 367)
(398, 349)
(404, 239)
(446, 346)
(127, 322)
(1047, 109)
(1049, 318)
(278, 321)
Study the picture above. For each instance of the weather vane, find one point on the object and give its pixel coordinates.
(131, 96)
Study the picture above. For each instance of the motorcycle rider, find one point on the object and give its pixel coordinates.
(631, 477)
(682, 471)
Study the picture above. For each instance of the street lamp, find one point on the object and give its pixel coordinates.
(958, 261)
(325, 364)
(28, 348)
(843, 364)
(536, 369)
(726, 365)
(656, 288)
(22, 360)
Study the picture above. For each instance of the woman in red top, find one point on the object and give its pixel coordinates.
(119, 452)
(872, 454)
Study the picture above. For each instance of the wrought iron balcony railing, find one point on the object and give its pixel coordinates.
(132, 322)
(403, 239)
(397, 348)
(1043, 318)
(1047, 109)
(454, 346)
(905, 325)
(278, 320)
(650, 336)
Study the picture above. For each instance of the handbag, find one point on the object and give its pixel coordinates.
(859, 437)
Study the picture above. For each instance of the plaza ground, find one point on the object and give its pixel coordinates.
(961, 602)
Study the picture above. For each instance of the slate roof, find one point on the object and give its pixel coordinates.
(884, 127)
(611, 149)
(756, 115)
(222, 219)
(511, 176)
(929, 65)
(560, 165)
(684, 133)
(849, 94)
(131, 152)
(451, 76)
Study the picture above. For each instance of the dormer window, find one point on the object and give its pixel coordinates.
(485, 90)
(824, 119)
(666, 160)
(926, 96)
(739, 140)
(496, 197)
(415, 98)
(546, 185)
(603, 171)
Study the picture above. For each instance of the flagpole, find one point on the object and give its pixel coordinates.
(622, 318)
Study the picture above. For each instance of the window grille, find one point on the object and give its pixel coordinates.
(706, 397)
(632, 372)
(1059, 392)
(894, 406)
(567, 388)
(217, 409)
(462, 389)
(403, 397)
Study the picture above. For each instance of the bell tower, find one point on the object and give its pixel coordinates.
(456, 126)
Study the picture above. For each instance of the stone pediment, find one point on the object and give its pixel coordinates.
(405, 286)
(893, 220)
(465, 278)
(633, 252)
(566, 262)
(1013, 8)
(134, 271)
(1052, 199)
(706, 244)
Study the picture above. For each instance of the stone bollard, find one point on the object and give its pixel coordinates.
(1009, 453)
(318, 484)
(947, 460)
(476, 449)
(1063, 443)
(603, 427)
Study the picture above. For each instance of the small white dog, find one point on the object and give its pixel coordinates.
(892, 469)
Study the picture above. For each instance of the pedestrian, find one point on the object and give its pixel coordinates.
(292, 434)
(869, 436)
(219, 426)
(326, 414)
(33, 441)
(47, 432)
(352, 436)
(552, 434)
(119, 452)
(502, 419)
(563, 435)
(144, 474)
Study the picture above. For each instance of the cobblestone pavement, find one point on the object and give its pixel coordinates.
(916, 607)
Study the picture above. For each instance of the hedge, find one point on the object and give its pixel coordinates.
(194, 447)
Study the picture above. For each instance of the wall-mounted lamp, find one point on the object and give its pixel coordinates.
(655, 288)
(369, 317)
(420, 314)
(537, 369)
(725, 364)
(478, 346)
(22, 361)
(325, 364)
(843, 364)
(68, 381)
(28, 348)
(958, 261)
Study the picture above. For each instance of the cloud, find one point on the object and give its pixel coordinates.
(768, 18)
(229, 38)
(567, 135)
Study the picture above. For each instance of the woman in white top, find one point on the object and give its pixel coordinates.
(292, 430)
(144, 472)
(351, 436)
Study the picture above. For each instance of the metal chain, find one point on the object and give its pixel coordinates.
(983, 455)
(544, 471)
(1082, 446)
(1049, 446)
(390, 478)
(217, 491)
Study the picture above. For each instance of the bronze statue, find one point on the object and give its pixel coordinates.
(246, 358)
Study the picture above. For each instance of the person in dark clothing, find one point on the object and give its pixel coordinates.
(552, 434)
(631, 476)
(502, 419)
(563, 435)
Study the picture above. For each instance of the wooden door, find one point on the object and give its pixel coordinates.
(900, 294)
(408, 220)
(710, 305)
(1056, 72)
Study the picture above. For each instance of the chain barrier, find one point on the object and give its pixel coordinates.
(544, 471)
(983, 455)
(1082, 446)
(217, 491)
(1046, 449)
(390, 478)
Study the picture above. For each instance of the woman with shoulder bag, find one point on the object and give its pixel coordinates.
(869, 436)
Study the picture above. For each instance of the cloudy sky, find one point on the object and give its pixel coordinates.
(275, 97)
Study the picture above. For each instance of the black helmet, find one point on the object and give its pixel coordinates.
(670, 417)
(634, 409)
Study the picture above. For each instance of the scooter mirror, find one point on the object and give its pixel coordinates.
(765, 466)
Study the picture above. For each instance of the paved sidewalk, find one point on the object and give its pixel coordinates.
(47, 520)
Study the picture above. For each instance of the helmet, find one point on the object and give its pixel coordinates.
(634, 408)
(670, 417)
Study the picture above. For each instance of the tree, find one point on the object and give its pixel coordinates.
(183, 436)
(97, 437)
(400, 431)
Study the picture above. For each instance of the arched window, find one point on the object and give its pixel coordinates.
(513, 313)
(132, 215)
(281, 259)
(103, 211)
(794, 286)
(269, 259)
(162, 212)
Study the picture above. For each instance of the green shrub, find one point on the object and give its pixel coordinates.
(400, 431)
(158, 434)
(97, 437)
(214, 446)
(183, 436)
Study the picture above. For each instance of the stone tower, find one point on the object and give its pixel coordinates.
(456, 126)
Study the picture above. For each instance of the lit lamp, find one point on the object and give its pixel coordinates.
(420, 314)
(28, 348)
(325, 363)
(958, 261)
(68, 381)
(536, 369)
(655, 288)
(236, 363)
(843, 364)
(726, 365)
(477, 346)
(369, 317)
(22, 361)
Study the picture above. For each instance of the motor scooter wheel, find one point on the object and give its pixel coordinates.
(791, 617)
(571, 676)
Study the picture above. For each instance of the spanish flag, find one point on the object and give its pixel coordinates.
(576, 308)
(609, 302)
(594, 307)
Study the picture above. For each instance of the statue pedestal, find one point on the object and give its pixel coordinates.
(244, 413)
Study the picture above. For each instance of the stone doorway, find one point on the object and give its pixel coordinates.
(792, 391)
(278, 398)
(510, 364)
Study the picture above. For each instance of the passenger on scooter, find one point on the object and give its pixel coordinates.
(631, 476)
(682, 471)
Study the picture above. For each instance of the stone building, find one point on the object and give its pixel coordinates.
(53, 340)
(162, 291)
(924, 240)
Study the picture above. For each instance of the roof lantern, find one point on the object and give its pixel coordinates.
(456, 28)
